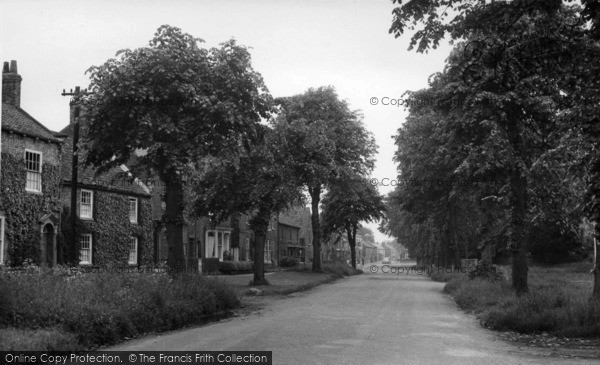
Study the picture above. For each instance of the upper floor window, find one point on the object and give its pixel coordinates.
(86, 203)
(33, 166)
(133, 210)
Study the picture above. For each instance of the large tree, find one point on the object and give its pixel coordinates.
(347, 203)
(326, 140)
(257, 180)
(562, 52)
(172, 103)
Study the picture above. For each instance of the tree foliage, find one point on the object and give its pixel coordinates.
(327, 141)
(172, 103)
(258, 181)
(346, 204)
(501, 105)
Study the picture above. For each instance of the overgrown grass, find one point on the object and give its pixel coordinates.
(61, 311)
(443, 276)
(558, 302)
(338, 269)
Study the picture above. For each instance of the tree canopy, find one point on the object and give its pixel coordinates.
(170, 104)
(327, 141)
(346, 204)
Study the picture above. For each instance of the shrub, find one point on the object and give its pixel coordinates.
(554, 304)
(235, 267)
(340, 269)
(483, 270)
(289, 262)
(97, 309)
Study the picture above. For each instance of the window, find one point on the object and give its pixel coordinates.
(247, 249)
(133, 251)
(133, 210)
(85, 250)
(86, 201)
(33, 166)
(269, 251)
(2, 219)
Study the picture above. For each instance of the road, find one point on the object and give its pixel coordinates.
(367, 319)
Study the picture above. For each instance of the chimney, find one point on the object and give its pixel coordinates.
(11, 84)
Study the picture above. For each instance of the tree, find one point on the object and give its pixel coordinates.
(326, 141)
(256, 180)
(565, 46)
(347, 203)
(172, 103)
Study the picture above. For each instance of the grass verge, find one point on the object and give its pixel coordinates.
(60, 310)
(337, 269)
(558, 302)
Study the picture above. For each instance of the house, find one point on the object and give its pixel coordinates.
(228, 240)
(368, 252)
(300, 216)
(113, 213)
(29, 181)
(336, 248)
(288, 241)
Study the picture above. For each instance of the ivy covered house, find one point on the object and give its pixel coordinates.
(114, 222)
(29, 181)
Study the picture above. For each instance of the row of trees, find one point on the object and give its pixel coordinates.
(205, 117)
(505, 138)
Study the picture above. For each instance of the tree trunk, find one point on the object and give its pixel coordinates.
(260, 234)
(596, 292)
(516, 241)
(315, 195)
(518, 207)
(352, 243)
(174, 224)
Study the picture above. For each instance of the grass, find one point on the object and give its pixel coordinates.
(62, 310)
(558, 301)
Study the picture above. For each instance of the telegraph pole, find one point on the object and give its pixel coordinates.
(75, 97)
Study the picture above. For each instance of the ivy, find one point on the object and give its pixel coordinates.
(24, 209)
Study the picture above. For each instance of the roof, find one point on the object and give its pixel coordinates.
(15, 119)
(367, 244)
(289, 224)
(117, 179)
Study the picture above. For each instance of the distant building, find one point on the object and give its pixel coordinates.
(29, 181)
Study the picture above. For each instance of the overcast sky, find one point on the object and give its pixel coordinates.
(295, 45)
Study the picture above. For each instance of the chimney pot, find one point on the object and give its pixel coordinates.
(5, 68)
(13, 67)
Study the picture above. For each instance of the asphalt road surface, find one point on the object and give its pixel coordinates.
(375, 318)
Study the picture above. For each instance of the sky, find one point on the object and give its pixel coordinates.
(295, 45)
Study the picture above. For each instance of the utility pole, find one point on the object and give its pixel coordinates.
(76, 95)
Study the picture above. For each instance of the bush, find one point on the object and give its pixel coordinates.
(485, 271)
(550, 244)
(235, 267)
(551, 306)
(289, 262)
(99, 309)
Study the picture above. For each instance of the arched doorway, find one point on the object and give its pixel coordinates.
(48, 229)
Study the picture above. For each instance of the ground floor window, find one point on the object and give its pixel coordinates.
(85, 249)
(133, 251)
(269, 249)
(245, 250)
